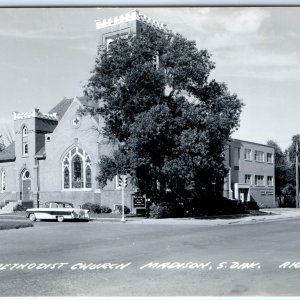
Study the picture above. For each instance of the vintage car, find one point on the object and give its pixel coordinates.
(59, 211)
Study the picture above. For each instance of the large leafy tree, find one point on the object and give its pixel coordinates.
(6, 138)
(282, 172)
(171, 123)
(2, 145)
(289, 191)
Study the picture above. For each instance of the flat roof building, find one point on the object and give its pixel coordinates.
(251, 173)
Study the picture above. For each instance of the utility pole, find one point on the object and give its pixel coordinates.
(297, 174)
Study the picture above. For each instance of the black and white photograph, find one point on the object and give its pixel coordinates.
(149, 151)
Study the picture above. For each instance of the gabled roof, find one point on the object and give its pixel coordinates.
(61, 108)
(8, 154)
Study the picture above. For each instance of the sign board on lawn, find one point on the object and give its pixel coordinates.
(139, 202)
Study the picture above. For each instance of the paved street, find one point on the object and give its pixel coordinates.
(192, 260)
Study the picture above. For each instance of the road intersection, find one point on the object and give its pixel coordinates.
(160, 258)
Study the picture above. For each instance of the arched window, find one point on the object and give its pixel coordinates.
(26, 175)
(3, 181)
(25, 131)
(77, 170)
(25, 141)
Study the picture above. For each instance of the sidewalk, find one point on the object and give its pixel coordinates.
(271, 214)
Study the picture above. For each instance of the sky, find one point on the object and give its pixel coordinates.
(47, 54)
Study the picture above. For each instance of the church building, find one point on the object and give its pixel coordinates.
(55, 155)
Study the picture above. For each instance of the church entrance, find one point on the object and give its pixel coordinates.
(26, 186)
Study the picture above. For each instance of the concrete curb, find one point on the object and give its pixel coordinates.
(275, 214)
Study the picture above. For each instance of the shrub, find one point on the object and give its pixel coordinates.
(166, 210)
(19, 207)
(87, 205)
(251, 205)
(95, 208)
(105, 209)
(126, 209)
(215, 206)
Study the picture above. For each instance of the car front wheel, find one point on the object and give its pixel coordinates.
(32, 217)
(60, 218)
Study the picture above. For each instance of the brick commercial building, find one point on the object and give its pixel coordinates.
(251, 173)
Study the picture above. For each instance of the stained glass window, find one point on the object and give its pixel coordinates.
(77, 170)
(66, 178)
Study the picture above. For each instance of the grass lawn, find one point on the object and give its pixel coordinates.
(13, 224)
(14, 220)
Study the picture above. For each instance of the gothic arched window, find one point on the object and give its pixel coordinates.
(77, 170)
(25, 131)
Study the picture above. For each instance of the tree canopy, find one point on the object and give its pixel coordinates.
(282, 170)
(171, 123)
(285, 172)
(6, 137)
(2, 145)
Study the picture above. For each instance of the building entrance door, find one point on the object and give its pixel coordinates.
(26, 186)
(243, 194)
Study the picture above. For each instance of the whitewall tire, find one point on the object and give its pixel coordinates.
(32, 217)
(60, 218)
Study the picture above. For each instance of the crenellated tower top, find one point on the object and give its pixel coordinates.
(133, 15)
(34, 114)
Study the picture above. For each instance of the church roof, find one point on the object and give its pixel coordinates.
(8, 154)
(61, 108)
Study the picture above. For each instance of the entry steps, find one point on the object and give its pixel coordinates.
(8, 207)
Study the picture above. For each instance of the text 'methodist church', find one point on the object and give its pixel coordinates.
(55, 155)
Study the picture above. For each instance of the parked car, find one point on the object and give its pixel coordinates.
(59, 211)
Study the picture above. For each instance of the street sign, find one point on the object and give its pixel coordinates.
(139, 202)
